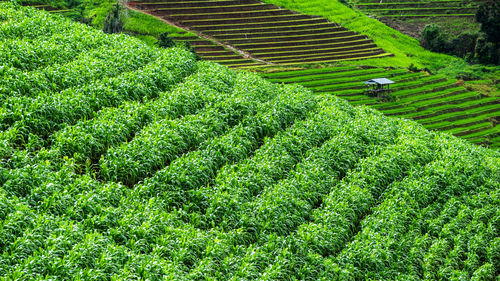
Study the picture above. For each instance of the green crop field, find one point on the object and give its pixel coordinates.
(123, 161)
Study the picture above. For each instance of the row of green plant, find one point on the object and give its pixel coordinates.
(139, 158)
(106, 62)
(29, 121)
(87, 140)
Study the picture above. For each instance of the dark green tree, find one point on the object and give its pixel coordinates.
(433, 39)
(463, 45)
(488, 15)
(114, 20)
(487, 52)
(165, 41)
(488, 44)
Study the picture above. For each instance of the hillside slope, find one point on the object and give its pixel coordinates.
(406, 49)
(121, 162)
(265, 32)
(431, 100)
(410, 17)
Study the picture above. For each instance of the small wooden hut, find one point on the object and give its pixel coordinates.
(378, 87)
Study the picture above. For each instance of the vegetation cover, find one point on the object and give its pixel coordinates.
(122, 161)
(431, 100)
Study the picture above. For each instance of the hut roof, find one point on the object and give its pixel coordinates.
(380, 81)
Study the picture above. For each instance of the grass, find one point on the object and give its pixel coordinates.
(144, 24)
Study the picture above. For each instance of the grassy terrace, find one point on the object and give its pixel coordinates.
(265, 31)
(434, 101)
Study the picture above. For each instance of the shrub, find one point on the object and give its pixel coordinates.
(433, 39)
(463, 45)
(114, 20)
(488, 15)
(487, 52)
(165, 41)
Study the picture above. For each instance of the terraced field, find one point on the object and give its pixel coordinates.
(264, 31)
(410, 17)
(45, 7)
(210, 50)
(419, 8)
(435, 102)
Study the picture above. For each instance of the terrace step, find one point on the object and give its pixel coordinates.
(220, 10)
(293, 48)
(492, 133)
(329, 57)
(312, 51)
(462, 131)
(280, 76)
(477, 104)
(285, 18)
(264, 31)
(423, 96)
(460, 115)
(426, 16)
(272, 28)
(296, 43)
(421, 11)
(427, 4)
(219, 16)
(202, 7)
(447, 125)
(272, 24)
(284, 38)
(284, 33)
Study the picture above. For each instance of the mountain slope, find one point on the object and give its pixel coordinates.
(406, 49)
(161, 167)
(265, 32)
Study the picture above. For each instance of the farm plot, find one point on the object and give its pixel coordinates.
(209, 50)
(265, 31)
(45, 7)
(433, 101)
(178, 169)
(410, 17)
(439, 8)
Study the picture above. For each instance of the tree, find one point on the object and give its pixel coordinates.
(488, 15)
(487, 52)
(433, 39)
(463, 45)
(114, 20)
(165, 41)
(488, 44)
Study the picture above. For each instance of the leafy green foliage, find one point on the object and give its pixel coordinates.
(114, 20)
(165, 41)
(180, 169)
(488, 15)
(433, 39)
